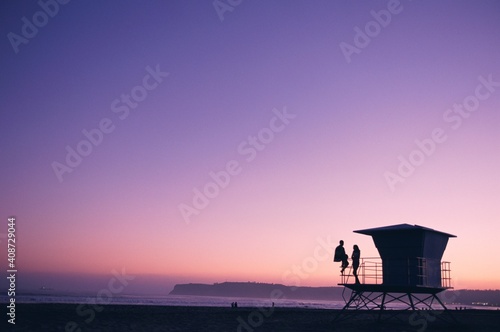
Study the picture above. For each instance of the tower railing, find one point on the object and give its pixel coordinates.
(370, 271)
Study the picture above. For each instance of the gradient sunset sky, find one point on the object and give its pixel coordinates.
(314, 136)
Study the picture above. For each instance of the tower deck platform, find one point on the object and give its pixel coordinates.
(381, 288)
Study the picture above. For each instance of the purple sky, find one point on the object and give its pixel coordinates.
(322, 173)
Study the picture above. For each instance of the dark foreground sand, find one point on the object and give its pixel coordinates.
(64, 317)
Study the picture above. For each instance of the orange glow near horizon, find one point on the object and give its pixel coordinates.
(286, 260)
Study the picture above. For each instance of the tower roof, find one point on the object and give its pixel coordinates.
(399, 228)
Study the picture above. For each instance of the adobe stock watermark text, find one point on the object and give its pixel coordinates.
(454, 118)
(249, 149)
(29, 28)
(121, 107)
(363, 37)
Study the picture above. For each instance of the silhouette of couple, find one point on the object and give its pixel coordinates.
(341, 256)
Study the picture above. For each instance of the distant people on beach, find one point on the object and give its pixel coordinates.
(234, 304)
(341, 256)
(356, 254)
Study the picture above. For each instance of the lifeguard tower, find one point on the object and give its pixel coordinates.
(408, 275)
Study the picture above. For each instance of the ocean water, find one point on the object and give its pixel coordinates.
(204, 301)
(177, 300)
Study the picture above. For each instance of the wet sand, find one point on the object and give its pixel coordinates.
(74, 317)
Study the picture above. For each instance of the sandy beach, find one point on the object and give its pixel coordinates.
(70, 317)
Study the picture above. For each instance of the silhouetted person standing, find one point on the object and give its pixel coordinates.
(341, 256)
(356, 253)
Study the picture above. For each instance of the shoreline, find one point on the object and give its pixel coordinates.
(85, 317)
(207, 301)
